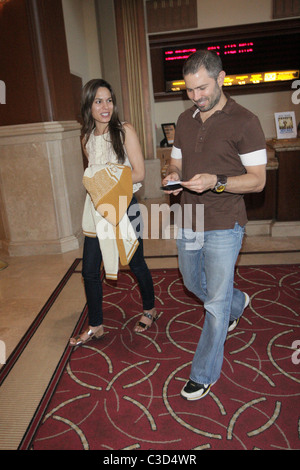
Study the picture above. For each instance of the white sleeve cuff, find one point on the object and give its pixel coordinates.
(176, 153)
(259, 157)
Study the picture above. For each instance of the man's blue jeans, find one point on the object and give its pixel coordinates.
(207, 262)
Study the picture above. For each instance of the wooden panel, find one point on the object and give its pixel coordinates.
(17, 67)
(169, 15)
(262, 206)
(286, 8)
(288, 196)
(34, 63)
(51, 58)
(164, 155)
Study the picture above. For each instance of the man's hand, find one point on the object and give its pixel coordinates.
(173, 174)
(171, 177)
(200, 183)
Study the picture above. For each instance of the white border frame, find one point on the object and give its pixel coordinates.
(286, 125)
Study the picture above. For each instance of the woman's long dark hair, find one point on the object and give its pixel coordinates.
(115, 128)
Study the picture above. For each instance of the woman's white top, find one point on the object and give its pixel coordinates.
(101, 151)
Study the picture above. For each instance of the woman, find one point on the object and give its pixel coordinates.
(106, 139)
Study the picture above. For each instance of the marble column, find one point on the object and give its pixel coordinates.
(41, 190)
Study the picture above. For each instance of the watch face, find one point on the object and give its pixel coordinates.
(220, 188)
(221, 183)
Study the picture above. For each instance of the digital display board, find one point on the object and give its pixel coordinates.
(245, 61)
(244, 79)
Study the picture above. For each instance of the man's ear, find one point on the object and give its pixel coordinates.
(221, 78)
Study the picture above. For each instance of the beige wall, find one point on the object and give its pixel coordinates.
(109, 47)
(218, 13)
(82, 38)
(92, 42)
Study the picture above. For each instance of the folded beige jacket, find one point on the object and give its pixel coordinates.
(109, 189)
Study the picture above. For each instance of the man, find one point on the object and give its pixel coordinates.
(218, 155)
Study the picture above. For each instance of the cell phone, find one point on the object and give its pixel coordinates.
(171, 186)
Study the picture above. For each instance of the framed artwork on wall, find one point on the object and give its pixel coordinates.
(169, 132)
(286, 125)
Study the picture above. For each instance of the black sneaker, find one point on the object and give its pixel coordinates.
(234, 323)
(194, 391)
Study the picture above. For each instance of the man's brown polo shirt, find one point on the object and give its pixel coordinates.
(215, 147)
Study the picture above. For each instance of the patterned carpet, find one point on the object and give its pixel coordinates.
(122, 392)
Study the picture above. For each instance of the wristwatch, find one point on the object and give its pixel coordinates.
(221, 184)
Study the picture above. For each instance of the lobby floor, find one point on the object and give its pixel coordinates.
(28, 281)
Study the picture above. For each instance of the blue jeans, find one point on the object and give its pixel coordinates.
(207, 262)
(91, 265)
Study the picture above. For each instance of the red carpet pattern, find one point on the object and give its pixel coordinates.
(122, 392)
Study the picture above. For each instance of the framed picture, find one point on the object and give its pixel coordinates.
(169, 132)
(286, 125)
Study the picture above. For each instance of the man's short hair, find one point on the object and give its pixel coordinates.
(203, 58)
